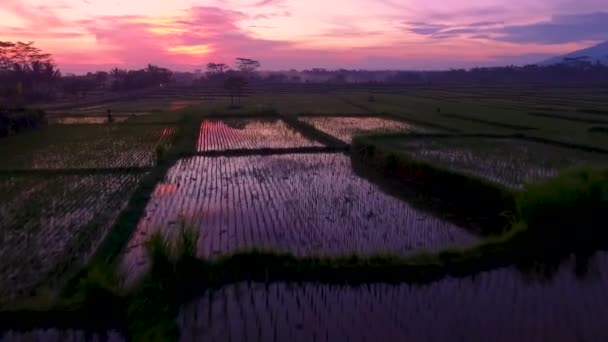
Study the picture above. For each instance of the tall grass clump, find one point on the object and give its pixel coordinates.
(160, 151)
(152, 310)
(567, 212)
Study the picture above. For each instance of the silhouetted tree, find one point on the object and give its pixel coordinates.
(235, 85)
(217, 68)
(26, 73)
(247, 66)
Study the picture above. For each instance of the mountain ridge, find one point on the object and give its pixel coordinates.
(593, 54)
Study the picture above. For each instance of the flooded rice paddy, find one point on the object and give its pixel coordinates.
(345, 128)
(306, 204)
(509, 162)
(53, 222)
(59, 335)
(94, 146)
(238, 134)
(500, 305)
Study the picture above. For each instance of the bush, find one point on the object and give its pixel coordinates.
(566, 211)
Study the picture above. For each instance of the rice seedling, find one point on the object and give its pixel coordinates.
(238, 134)
(305, 204)
(50, 226)
(509, 162)
(322, 312)
(63, 147)
(345, 128)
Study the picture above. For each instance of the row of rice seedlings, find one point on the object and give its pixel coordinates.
(54, 334)
(304, 204)
(87, 147)
(45, 221)
(345, 128)
(236, 134)
(512, 163)
(89, 120)
(446, 310)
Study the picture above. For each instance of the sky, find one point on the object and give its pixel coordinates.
(89, 35)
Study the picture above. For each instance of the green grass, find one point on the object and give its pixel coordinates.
(499, 118)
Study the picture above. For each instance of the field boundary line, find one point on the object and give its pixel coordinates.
(310, 132)
(569, 118)
(489, 122)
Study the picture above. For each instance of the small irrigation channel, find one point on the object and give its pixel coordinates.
(289, 185)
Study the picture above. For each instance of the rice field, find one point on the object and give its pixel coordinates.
(500, 305)
(249, 134)
(61, 335)
(79, 120)
(85, 147)
(306, 204)
(345, 128)
(509, 162)
(49, 224)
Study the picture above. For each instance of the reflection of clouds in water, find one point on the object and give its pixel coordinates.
(165, 189)
(345, 128)
(309, 204)
(218, 135)
(498, 305)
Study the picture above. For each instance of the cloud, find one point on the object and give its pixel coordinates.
(557, 30)
(263, 3)
(203, 34)
(425, 29)
(560, 29)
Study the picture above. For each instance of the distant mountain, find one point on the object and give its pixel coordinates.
(593, 54)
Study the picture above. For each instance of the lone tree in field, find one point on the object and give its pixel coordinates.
(216, 72)
(216, 68)
(247, 66)
(235, 85)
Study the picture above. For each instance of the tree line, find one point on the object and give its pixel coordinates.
(26, 73)
(233, 80)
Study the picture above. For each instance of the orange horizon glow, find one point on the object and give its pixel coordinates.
(285, 34)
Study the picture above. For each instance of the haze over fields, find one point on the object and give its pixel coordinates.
(88, 35)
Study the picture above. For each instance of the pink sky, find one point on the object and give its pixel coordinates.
(86, 35)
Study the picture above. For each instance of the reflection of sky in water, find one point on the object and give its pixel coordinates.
(509, 162)
(499, 305)
(235, 134)
(304, 204)
(345, 128)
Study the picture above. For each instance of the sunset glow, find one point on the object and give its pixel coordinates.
(285, 34)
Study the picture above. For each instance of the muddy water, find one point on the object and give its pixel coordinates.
(216, 135)
(308, 204)
(345, 128)
(500, 305)
(510, 162)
